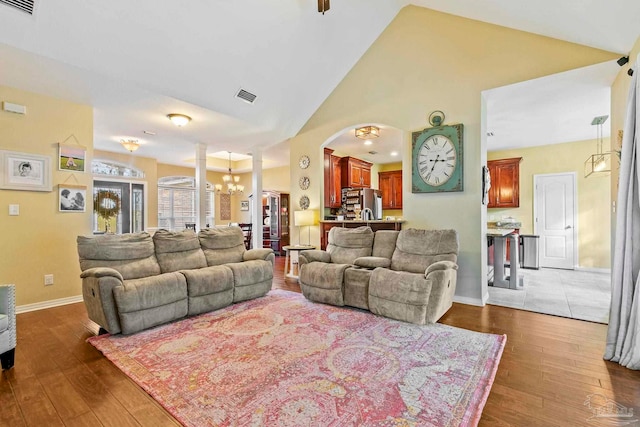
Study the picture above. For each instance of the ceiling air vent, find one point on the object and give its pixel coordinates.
(26, 6)
(247, 97)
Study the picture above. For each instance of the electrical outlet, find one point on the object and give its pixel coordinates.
(48, 279)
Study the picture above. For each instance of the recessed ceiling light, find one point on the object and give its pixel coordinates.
(368, 142)
(394, 153)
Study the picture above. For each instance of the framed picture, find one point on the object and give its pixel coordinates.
(244, 205)
(72, 198)
(22, 171)
(71, 157)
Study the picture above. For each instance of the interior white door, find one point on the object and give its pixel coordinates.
(555, 219)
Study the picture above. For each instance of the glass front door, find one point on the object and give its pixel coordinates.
(129, 218)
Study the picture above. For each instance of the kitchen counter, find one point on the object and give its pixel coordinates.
(499, 232)
(353, 221)
(375, 224)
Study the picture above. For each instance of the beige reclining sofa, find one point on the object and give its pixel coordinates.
(132, 282)
(407, 275)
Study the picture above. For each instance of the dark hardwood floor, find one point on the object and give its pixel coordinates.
(550, 367)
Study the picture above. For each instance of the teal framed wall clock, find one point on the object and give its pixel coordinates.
(437, 159)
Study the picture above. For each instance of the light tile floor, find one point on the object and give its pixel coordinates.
(569, 293)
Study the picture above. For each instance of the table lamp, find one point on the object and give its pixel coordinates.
(304, 218)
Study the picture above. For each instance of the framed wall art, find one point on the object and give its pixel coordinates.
(244, 205)
(72, 198)
(71, 157)
(23, 171)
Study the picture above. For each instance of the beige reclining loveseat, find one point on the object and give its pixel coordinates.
(132, 282)
(407, 275)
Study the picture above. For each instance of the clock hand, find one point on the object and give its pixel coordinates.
(434, 163)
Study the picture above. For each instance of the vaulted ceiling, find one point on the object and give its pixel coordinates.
(137, 61)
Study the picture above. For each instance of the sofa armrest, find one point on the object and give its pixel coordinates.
(312, 255)
(372, 262)
(440, 265)
(97, 292)
(258, 253)
(98, 272)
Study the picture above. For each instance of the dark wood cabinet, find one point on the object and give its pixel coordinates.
(390, 184)
(275, 220)
(505, 183)
(356, 173)
(332, 180)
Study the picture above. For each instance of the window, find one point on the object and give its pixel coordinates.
(177, 202)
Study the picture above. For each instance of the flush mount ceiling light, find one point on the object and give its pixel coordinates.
(323, 6)
(368, 132)
(130, 144)
(599, 163)
(179, 119)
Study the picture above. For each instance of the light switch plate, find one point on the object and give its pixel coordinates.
(14, 210)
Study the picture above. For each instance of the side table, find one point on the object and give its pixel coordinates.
(291, 259)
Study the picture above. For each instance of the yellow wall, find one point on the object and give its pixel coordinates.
(425, 61)
(42, 240)
(593, 195)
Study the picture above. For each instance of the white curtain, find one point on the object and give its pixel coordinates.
(623, 337)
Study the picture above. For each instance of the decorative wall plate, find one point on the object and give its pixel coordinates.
(304, 202)
(304, 162)
(304, 182)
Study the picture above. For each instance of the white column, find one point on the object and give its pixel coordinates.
(201, 186)
(256, 185)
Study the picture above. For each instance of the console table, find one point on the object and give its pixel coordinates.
(291, 260)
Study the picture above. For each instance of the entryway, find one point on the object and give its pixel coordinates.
(130, 217)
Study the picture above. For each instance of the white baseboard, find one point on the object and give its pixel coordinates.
(594, 270)
(469, 301)
(48, 304)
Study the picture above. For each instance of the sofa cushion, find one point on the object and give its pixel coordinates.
(251, 279)
(399, 295)
(178, 250)
(417, 249)
(209, 288)
(132, 255)
(222, 245)
(151, 301)
(347, 244)
(384, 243)
(322, 282)
(356, 287)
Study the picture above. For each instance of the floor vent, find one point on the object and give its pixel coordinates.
(247, 97)
(26, 6)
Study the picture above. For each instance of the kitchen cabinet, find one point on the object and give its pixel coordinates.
(390, 183)
(505, 183)
(275, 220)
(356, 173)
(332, 180)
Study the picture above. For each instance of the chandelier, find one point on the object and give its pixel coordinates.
(230, 181)
(599, 163)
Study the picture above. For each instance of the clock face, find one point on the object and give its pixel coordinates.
(437, 159)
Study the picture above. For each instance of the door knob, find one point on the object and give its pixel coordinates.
(567, 227)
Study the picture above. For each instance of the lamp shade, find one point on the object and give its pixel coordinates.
(304, 218)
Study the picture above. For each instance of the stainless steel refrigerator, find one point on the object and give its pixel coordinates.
(364, 198)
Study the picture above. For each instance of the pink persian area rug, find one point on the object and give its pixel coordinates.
(281, 360)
